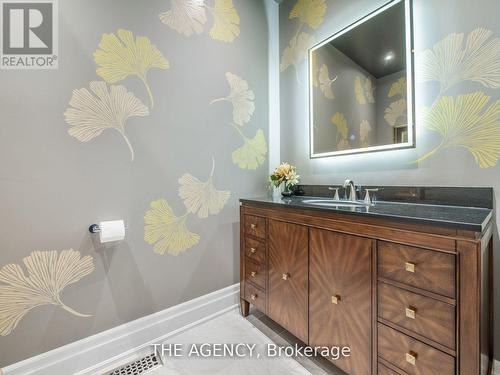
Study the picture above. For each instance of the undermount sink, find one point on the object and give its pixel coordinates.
(335, 203)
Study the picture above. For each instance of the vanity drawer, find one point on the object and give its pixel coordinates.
(412, 356)
(425, 269)
(255, 226)
(383, 370)
(425, 316)
(255, 273)
(255, 250)
(255, 296)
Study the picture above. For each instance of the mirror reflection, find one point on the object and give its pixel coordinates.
(359, 86)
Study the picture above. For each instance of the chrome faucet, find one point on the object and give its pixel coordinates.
(352, 194)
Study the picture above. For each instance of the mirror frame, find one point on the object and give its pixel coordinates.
(410, 79)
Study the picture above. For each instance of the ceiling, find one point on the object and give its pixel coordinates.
(369, 43)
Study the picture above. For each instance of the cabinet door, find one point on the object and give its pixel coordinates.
(340, 297)
(288, 282)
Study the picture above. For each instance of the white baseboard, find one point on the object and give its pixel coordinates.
(496, 367)
(89, 355)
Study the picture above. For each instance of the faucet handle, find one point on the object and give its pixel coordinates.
(336, 195)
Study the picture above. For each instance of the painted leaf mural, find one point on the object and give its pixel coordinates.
(92, 112)
(340, 122)
(364, 133)
(364, 90)
(450, 61)
(253, 152)
(296, 51)
(398, 88)
(202, 198)
(241, 97)
(121, 55)
(395, 114)
(325, 83)
(469, 121)
(309, 12)
(166, 231)
(48, 273)
(187, 17)
(226, 21)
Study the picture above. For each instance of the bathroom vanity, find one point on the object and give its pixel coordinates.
(407, 286)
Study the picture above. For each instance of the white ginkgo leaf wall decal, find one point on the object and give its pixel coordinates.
(396, 113)
(450, 61)
(202, 198)
(166, 231)
(186, 16)
(241, 97)
(49, 272)
(92, 112)
(296, 51)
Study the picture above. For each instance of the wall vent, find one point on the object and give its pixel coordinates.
(141, 366)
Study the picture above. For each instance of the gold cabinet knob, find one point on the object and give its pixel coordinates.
(253, 226)
(253, 250)
(410, 312)
(253, 297)
(285, 276)
(253, 273)
(410, 267)
(336, 299)
(411, 358)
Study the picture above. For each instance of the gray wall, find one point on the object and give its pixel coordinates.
(52, 185)
(449, 166)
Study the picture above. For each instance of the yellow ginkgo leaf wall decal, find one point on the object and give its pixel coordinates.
(202, 198)
(395, 114)
(364, 90)
(325, 82)
(467, 121)
(340, 122)
(226, 21)
(358, 91)
(296, 51)
(398, 88)
(48, 273)
(186, 16)
(166, 231)
(253, 152)
(450, 61)
(309, 12)
(121, 55)
(92, 112)
(241, 97)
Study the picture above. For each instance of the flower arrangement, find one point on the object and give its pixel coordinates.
(285, 173)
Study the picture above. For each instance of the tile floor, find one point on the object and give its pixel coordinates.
(232, 328)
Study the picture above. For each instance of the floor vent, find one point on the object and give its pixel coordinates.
(140, 366)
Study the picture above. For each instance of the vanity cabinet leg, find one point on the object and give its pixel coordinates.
(244, 307)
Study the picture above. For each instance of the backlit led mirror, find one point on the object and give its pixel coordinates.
(361, 85)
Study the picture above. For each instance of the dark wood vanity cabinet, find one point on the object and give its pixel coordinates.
(407, 299)
(340, 296)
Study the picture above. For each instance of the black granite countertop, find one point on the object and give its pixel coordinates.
(458, 217)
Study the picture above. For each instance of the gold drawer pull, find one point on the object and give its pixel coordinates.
(253, 250)
(336, 299)
(253, 297)
(285, 276)
(253, 226)
(410, 267)
(253, 273)
(411, 358)
(410, 312)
